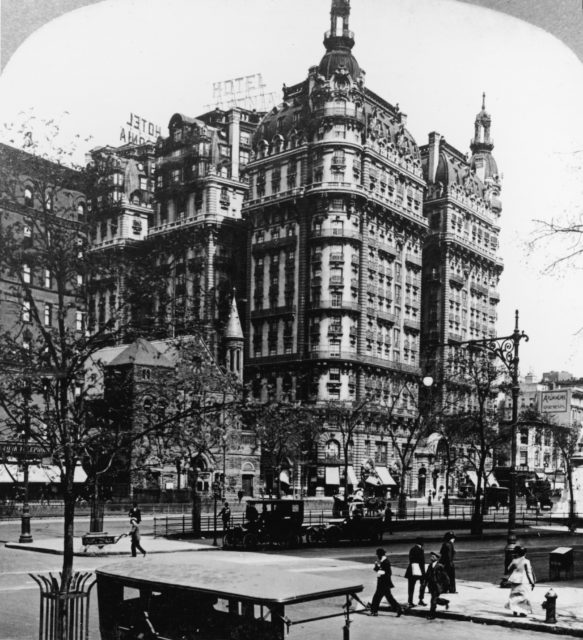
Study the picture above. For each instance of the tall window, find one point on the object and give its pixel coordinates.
(79, 320)
(26, 273)
(28, 200)
(332, 450)
(26, 311)
(48, 200)
(48, 315)
(47, 279)
(381, 452)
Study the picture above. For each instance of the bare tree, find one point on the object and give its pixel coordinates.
(48, 390)
(475, 380)
(287, 432)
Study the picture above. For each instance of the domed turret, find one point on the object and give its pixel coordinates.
(339, 41)
(482, 160)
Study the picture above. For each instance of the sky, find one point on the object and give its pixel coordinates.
(90, 68)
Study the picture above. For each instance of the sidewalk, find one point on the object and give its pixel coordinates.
(483, 603)
(121, 548)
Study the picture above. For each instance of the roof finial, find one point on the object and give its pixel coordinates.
(483, 101)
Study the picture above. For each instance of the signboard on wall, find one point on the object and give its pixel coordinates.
(555, 401)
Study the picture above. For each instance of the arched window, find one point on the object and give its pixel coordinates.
(28, 198)
(147, 404)
(81, 211)
(332, 450)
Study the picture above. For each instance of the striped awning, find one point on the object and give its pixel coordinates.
(385, 476)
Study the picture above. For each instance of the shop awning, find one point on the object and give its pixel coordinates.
(38, 473)
(8, 473)
(352, 479)
(284, 476)
(385, 476)
(374, 480)
(79, 475)
(540, 476)
(490, 479)
(333, 476)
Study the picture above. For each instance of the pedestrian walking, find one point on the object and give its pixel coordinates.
(447, 555)
(135, 512)
(522, 580)
(437, 582)
(388, 519)
(225, 514)
(240, 495)
(416, 572)
(382, 566)
(135, 538)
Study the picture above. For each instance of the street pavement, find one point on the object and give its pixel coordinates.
(477, 601)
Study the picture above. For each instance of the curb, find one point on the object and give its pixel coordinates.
(502, 622)
(98, 554)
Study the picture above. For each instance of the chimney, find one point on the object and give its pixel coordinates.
(433, 156)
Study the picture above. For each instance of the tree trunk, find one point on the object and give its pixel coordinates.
(571, 519)
(68, 551)
(402, 501)
(96, 518)
(477, 523)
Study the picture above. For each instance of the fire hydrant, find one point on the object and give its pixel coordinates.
(550, 606)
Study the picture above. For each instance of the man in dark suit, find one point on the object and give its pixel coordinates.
(447, 555)
(384, 585)
(437, 583)
(416, 572)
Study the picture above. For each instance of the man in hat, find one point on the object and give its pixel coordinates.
(382, 567)
(416, 572)
(447, 555)
(437, 583)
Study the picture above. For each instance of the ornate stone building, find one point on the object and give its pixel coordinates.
(461, 266)
(336, 224)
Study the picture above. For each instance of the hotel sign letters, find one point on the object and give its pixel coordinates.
(138, 130)
(554, 401)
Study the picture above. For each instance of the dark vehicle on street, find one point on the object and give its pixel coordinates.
(539, 495)
(356, 528)
(268, 522)
(497, 497)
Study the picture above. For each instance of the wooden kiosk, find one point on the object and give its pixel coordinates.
(210, 596)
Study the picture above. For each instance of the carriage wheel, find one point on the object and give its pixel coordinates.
(250, 541)
(229, 540)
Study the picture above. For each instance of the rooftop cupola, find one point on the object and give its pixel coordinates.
(339, 41)
(482, 140)
(482, 161)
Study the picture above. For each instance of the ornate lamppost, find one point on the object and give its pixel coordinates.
(505, 349)
(25, 534)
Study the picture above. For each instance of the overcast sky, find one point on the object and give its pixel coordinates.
(433, 57)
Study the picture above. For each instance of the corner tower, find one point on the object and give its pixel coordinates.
(461, 265)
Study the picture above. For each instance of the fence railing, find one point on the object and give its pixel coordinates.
(181, 525)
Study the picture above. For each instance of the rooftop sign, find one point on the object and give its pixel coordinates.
(138, 130)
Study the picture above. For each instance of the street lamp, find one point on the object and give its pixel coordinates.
(505, 349)
(25, 534)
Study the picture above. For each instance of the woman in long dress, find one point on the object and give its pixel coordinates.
(522, 580)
